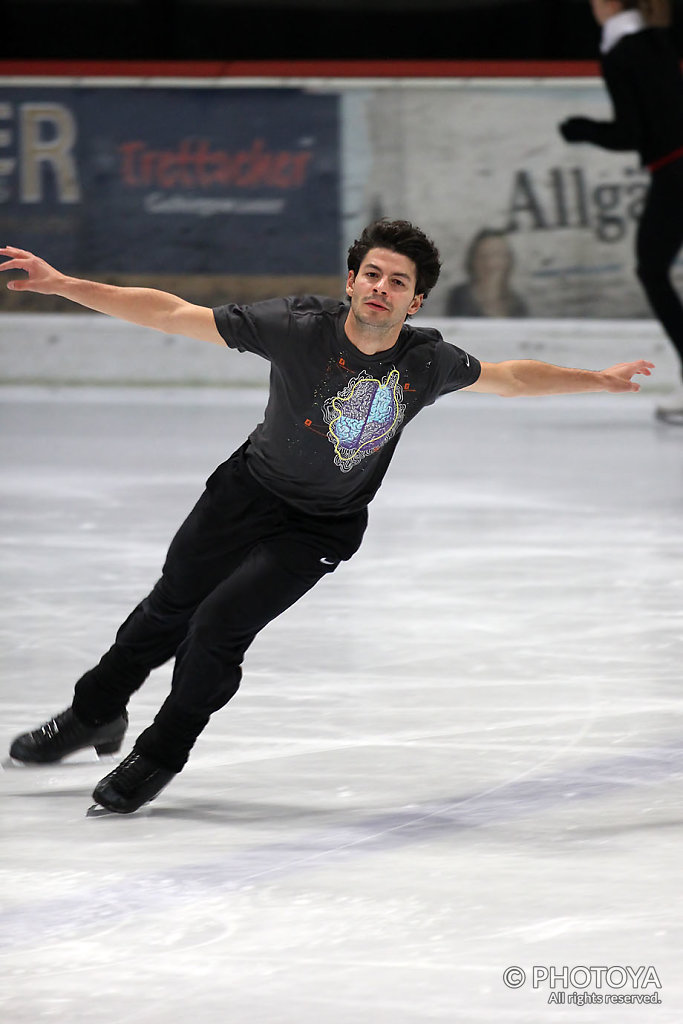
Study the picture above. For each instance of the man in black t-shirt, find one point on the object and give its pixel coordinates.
(291, 503)
(642, 73)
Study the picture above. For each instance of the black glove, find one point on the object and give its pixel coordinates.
(576, 129)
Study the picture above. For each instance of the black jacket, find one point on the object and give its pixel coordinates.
(642, 73)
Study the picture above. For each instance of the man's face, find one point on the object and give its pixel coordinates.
(382, 293)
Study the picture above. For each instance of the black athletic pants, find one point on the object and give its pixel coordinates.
(240, 559)
(658, 242)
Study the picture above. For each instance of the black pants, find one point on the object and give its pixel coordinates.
(658, 242)
(241, 558)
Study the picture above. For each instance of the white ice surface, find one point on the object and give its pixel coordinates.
(463, 752)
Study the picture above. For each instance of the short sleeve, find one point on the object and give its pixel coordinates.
(458, 369)
(259, 328)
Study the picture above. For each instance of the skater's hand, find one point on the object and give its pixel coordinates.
(618, 378)
(576, 129)
(41, 277)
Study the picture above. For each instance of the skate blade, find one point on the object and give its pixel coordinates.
(672, 418)
(95, 811)
(11, 763)
(80, 757)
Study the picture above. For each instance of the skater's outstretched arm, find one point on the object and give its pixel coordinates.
(148, 307)
(520, 377)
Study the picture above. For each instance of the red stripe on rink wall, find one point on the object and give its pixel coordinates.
(301, 69)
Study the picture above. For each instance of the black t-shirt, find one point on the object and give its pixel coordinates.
(334, 415)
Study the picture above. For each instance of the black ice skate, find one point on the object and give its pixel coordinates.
(134, 782)
(65, 734)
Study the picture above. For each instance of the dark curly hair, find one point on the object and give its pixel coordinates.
(403, 237)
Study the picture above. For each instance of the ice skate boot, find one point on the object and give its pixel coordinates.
(670, 409)
(135, 781)
(65, 734)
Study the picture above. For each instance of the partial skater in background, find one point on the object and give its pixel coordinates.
(489, 264)
(642, 73)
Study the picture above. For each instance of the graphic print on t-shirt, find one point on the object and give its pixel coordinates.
(363, 416)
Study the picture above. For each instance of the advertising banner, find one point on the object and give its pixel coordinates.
(127, 181)
(240, 192)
